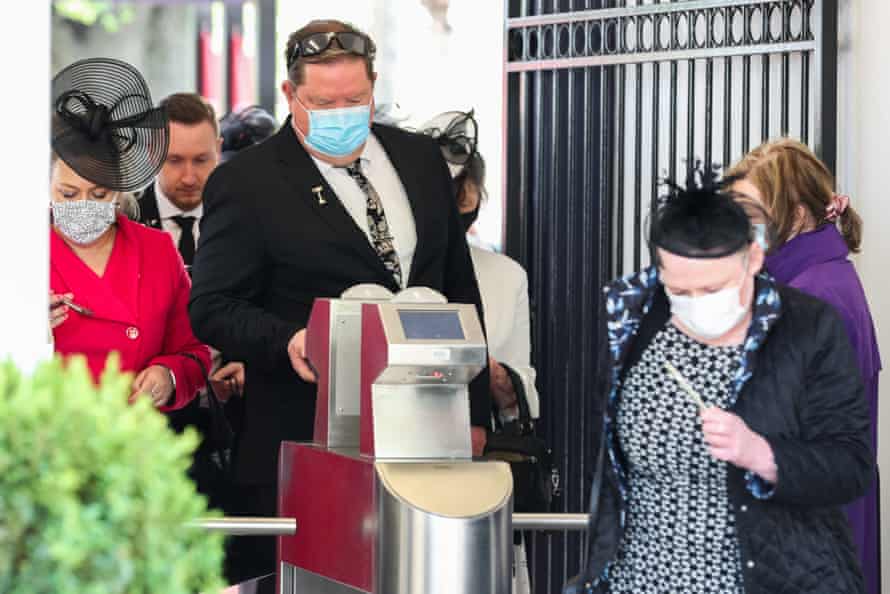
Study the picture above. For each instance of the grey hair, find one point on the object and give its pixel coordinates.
(129, 205)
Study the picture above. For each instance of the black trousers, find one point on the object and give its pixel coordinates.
(248, 557)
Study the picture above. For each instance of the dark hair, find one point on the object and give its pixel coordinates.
(474, 172)
(297, 68)
(245, 128)
(701, 220)
(189, 109)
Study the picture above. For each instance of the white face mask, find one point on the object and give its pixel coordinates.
(710, 316)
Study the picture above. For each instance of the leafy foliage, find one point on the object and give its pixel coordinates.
(90, 12)
(93, 492)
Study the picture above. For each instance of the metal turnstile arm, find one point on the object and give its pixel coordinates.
(288, 526)
(550, 522)
(249, 526)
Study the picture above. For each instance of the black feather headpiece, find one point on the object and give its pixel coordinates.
(700, 220)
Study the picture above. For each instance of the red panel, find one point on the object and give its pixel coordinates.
(235, 75)
(210, 67)
(332, 498)
(241, 67)
(318, 351)
(374, 361)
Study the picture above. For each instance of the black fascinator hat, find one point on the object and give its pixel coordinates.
(700, 220)
(105, 126)
(245, 128)
(456, 133)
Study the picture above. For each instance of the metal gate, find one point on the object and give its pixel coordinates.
(603, 99)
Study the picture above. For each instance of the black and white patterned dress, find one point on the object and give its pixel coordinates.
(680, 531)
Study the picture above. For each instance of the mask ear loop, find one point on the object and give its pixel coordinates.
(746, 262)
(306, 110)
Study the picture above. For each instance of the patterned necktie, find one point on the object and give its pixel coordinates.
(186, 238)
(377, 225)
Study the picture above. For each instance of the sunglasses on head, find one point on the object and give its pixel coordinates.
(316, 43)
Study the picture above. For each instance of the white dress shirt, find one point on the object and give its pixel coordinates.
(167, 210)
(503, 285)
(376, 166)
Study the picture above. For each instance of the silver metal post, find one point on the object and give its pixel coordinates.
(553, 522)
(249, 526)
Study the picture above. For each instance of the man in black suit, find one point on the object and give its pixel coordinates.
(328, 202)
(173, 201)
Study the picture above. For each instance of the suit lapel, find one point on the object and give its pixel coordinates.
(310, 186)
(94, 292)
(149, 213)
(410, 173)
(130, 258)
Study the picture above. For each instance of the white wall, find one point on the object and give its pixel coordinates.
(864, 150)
(24, 163)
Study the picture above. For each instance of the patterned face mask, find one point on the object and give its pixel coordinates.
(83, 221)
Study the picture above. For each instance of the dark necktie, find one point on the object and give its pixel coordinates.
(381, 237)
(186, 238)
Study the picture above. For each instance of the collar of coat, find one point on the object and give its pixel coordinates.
(629, 299)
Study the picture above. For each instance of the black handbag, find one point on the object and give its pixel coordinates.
(211, 464)
(535, 478)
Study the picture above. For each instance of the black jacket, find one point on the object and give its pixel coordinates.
(800, 389)
(149, 214)
(268, 248)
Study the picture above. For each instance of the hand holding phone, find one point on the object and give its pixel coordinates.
(58, 308)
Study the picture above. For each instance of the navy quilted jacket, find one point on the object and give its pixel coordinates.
(798, 385)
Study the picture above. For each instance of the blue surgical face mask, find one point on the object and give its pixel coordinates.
(337, 132)
(760, 235)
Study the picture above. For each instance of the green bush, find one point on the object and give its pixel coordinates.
(93, 491)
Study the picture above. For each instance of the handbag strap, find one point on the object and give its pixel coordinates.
(525, 417)
(212, 398)
(215, 404)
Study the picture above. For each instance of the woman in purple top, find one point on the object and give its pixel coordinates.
(813, 232)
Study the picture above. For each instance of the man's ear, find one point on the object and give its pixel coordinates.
(287, 87)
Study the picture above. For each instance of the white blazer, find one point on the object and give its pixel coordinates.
(503, 284)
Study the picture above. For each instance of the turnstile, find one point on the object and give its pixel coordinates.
(387, 498)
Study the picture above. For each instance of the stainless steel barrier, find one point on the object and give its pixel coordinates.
(288, 526)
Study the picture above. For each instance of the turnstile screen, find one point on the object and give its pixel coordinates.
(431, 325)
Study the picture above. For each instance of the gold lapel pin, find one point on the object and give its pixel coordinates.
(317, 190)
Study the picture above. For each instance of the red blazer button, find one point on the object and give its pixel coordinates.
(132, 333)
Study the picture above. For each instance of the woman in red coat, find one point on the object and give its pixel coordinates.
(116, 286)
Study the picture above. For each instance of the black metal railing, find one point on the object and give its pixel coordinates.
(605, 98)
